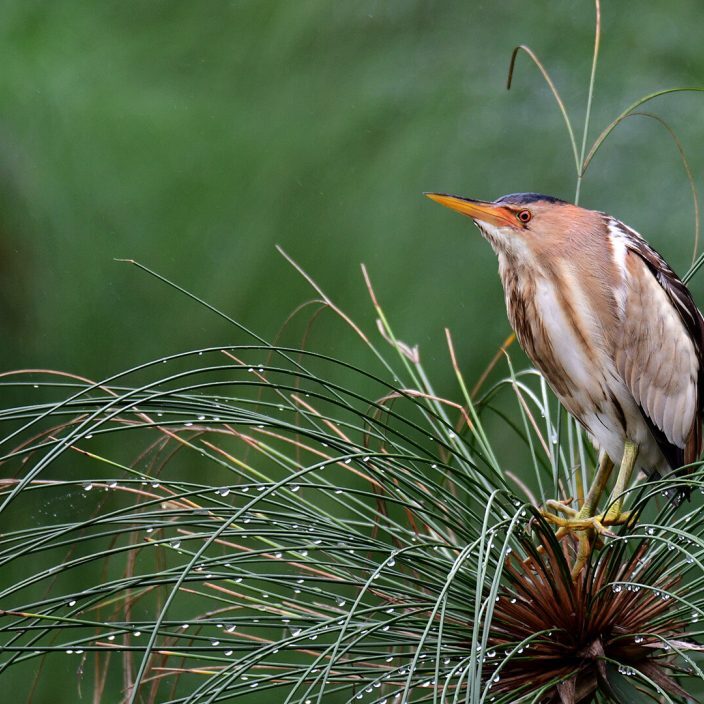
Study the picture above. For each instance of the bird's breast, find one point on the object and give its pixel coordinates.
(561, 331)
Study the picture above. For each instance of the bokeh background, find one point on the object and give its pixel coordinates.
(193, 137)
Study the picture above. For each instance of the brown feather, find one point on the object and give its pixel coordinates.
(682, 301)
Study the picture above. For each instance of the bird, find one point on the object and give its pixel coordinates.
(615, 333)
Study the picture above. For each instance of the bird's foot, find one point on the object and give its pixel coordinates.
(588, 530)
(618, 517)
(575, 521)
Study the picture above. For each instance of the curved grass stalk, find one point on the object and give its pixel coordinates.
(590, 98)
(558, 99)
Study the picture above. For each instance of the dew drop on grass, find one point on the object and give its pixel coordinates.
(87, 486)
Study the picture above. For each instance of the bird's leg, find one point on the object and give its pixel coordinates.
(614, 516)
(588, 510)
(585, 521)
(582, 519)
(606, 466)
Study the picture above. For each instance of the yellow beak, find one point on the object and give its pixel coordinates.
(476, 209)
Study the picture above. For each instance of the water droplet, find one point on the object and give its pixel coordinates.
(616, 587)
(87, 486)
(295, 487)
(72, 602)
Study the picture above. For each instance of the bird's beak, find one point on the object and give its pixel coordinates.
(481, 210)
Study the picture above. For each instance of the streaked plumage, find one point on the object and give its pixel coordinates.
(609, 324)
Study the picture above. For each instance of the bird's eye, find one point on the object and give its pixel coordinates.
(524, 215)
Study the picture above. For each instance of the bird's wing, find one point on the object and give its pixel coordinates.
(660, 353)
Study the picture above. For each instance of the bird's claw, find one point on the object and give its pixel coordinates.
(575, 523)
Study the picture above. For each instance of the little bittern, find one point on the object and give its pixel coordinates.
(613, 330)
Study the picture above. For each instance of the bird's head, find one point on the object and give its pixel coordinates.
(519, 222)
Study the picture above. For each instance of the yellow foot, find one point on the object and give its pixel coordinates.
(618, 518)
(575, 523)
(588, 530)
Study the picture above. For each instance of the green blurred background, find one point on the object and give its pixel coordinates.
(193, 137)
